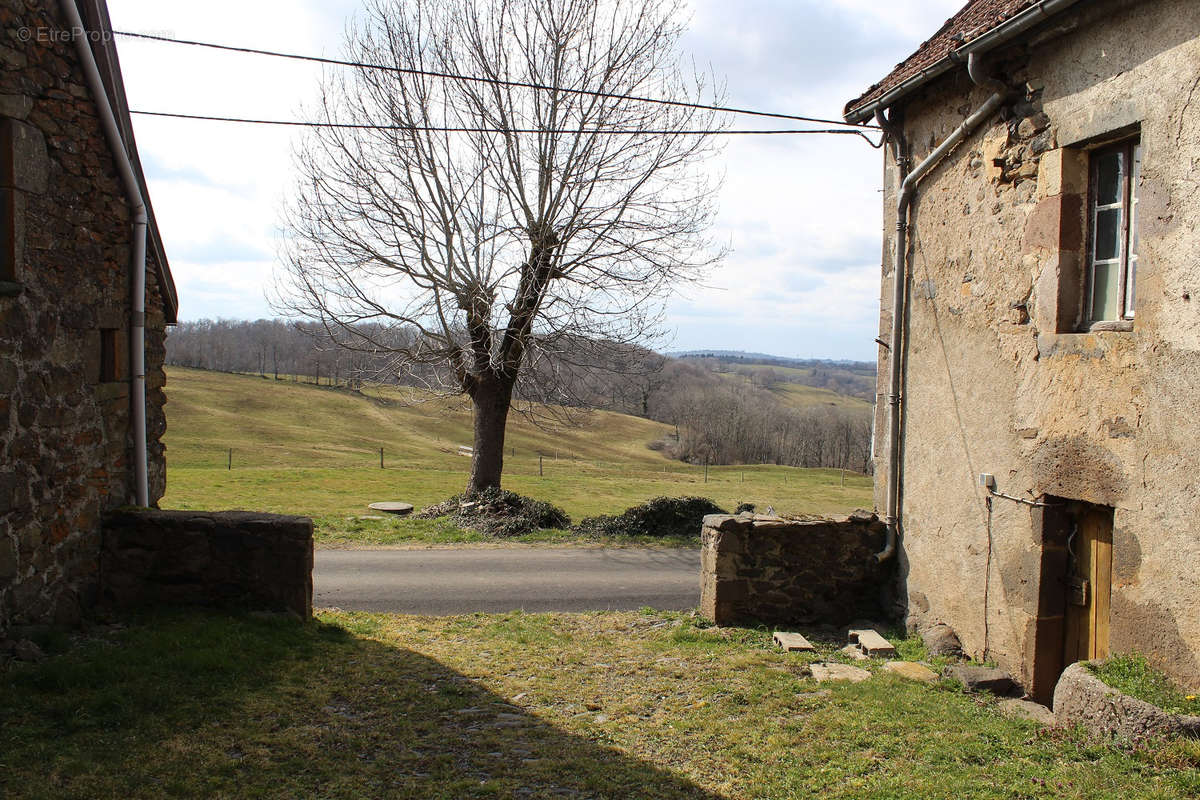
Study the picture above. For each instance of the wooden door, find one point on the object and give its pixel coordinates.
(1089, 586)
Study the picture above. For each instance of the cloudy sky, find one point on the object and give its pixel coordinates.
(801, 214)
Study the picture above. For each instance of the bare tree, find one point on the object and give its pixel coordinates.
(548, 216)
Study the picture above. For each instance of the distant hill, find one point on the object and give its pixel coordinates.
(850, 379)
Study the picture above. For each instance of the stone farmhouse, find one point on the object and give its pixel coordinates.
(1039, 391)
(85, 297)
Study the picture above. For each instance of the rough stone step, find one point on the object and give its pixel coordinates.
(912, 671)
(1027, 709)
(981, 679)
(830, 671)
(872, 643)
(793, 642)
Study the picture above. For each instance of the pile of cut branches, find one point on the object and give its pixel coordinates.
(660, 517)
(499, 513)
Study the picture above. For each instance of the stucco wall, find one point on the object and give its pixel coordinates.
(996, 382)
(65, 447)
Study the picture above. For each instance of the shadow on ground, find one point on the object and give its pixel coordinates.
(205, 705)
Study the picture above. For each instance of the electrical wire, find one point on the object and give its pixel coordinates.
(440, 129)
(492, 81)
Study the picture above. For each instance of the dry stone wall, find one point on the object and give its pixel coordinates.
(773, 570)
(65, 444)
(185, 558)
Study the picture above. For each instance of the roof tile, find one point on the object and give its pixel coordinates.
(976, 18)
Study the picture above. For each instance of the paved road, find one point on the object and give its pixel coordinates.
(463, 581)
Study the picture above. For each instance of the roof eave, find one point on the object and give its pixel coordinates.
(993, 38)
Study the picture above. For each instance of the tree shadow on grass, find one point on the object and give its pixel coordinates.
(214, 706)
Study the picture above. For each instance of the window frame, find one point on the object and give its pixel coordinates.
(1130, 152)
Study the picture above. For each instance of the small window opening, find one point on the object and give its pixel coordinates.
(8, 236)
(1113, 233)
(110, 369)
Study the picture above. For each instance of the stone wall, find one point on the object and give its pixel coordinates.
(186, 558)
(65, 443)
(773, 570)
(999, 377)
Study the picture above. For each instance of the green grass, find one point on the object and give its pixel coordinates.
(801, 396)
(1133, 675)
(299, 449)
(606, 705)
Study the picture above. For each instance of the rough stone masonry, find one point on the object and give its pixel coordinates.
(758, 568)
(65, 443)
(236, 559)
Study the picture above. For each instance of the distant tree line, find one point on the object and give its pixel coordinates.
(716, 418)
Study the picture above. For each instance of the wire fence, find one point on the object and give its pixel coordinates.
(455, 458)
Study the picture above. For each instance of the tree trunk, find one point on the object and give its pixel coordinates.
(491, 401)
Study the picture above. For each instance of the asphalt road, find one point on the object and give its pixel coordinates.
(463, 581)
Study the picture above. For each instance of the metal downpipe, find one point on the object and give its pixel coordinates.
(905, 195)
(133, 191)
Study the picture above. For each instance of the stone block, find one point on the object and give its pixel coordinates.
(941, 640)
(16, 106)
(871, 643)
(981, 679)
(1050, 177)
(793, 642)
(1080, 698)
(1027, 709)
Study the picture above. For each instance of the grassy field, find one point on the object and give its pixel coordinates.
(801, 396)
(611, 705)
(300, 449)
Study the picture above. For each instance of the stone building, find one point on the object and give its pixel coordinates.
(1046, 356)
(68, 321)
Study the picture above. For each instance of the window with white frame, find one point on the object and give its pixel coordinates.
(1112, 232)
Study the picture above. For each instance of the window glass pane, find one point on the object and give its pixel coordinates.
(1108, 234)
(1105, 283)
(1108, 178)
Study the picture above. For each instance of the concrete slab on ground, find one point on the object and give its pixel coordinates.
(793, 642)
(871, 643)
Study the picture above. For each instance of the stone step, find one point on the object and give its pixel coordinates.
(871, 643)
(793, 642)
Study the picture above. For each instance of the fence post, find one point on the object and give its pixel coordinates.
(381, 458)
(706, 469)
(540, 473)
(229, 465)
(843, 478)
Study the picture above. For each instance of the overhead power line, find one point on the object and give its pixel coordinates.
(450, 129)
(493, 81)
